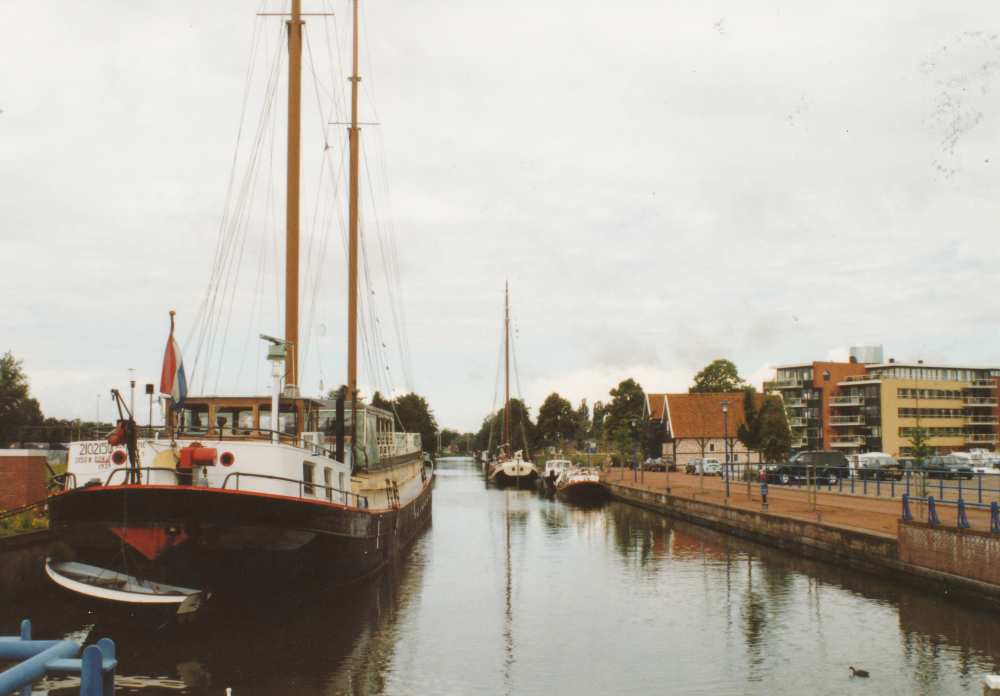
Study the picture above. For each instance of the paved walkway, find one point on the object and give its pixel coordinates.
(855, 511)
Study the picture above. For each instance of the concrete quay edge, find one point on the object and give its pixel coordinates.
(860, 549)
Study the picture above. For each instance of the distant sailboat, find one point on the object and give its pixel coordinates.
(510, 468)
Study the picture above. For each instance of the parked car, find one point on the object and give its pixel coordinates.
(654, 464)
(946, 466)
(879, 466)
(824, 466)
(711, 466)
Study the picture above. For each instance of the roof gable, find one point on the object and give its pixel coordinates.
(700, 415)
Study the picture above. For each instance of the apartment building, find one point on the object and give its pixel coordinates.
(868, 405)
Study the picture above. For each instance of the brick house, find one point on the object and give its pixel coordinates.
(693, 424)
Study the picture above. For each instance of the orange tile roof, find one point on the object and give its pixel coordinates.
(654, 404)
(700, 415)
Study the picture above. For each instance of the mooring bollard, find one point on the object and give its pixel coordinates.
(932, 517)
(963, 521)
(906, 507)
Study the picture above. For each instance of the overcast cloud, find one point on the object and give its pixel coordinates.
(663, 184)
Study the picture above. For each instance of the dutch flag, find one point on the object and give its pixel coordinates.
(172, 380)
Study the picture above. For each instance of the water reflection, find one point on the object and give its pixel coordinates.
(511, 592)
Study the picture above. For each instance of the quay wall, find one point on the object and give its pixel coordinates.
(863, 550)
(22, 560)
(971, 553)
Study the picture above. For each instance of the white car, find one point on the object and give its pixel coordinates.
(711, 467)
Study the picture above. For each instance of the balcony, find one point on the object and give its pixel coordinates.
(847, 420)
(980, 420)
(847, 401)
(800, 442)
(795, 403)
(981, 438)
(798, 422)
(847, 441)
(980, 384)
(979, 401)
(854, 379)
(787, 384)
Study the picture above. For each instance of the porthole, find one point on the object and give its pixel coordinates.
(119, 457)
(227, 459)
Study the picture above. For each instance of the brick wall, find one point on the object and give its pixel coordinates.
(22, 477)
(970, 553)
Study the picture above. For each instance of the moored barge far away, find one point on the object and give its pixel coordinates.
(255, 490)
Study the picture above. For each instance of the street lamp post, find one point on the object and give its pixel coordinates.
(635, 466)
(725, 425)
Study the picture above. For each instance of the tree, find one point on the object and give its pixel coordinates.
(522, 431)
(556, 416)
(413, 415)
(719, 377)
(582, 421)
(751, 431)
(378, 401)
(17, 408)
(777, 436)
(920, 439)
(627, 401)
(597, 432)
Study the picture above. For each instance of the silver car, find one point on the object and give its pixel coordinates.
(711, 467)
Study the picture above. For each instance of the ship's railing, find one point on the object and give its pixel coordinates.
(258, 434)
(305, 487)
(125, 471)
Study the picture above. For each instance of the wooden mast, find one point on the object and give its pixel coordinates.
(506, 368)
(292, 204)
(352, 252)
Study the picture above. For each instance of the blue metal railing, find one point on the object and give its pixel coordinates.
(981, 488)
(96, 668)
(963, 520)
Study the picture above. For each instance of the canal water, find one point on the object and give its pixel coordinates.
(510, 593)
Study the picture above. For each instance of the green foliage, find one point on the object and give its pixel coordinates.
(719, 377)
(523, 433)
(597, 422)
(751, 431)
(26, 522)
(378, 401)
(777, 436)
(920, 439)
(413, 415)
(627, 401)
(17, 408)
(556, 416)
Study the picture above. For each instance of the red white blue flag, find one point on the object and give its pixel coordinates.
(172, 380)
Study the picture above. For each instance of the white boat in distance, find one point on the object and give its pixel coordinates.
(510, 470)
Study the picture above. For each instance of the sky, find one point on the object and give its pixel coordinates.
(661, 184)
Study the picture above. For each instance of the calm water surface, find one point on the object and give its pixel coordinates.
(509, 593)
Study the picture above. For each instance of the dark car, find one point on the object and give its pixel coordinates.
(882, 467)
(947, 466)
(824, 466)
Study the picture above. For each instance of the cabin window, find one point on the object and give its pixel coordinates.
(308, 477)
(288, 417)
(234, 420)
(328, 481)
(343, 495)
(194, 418)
